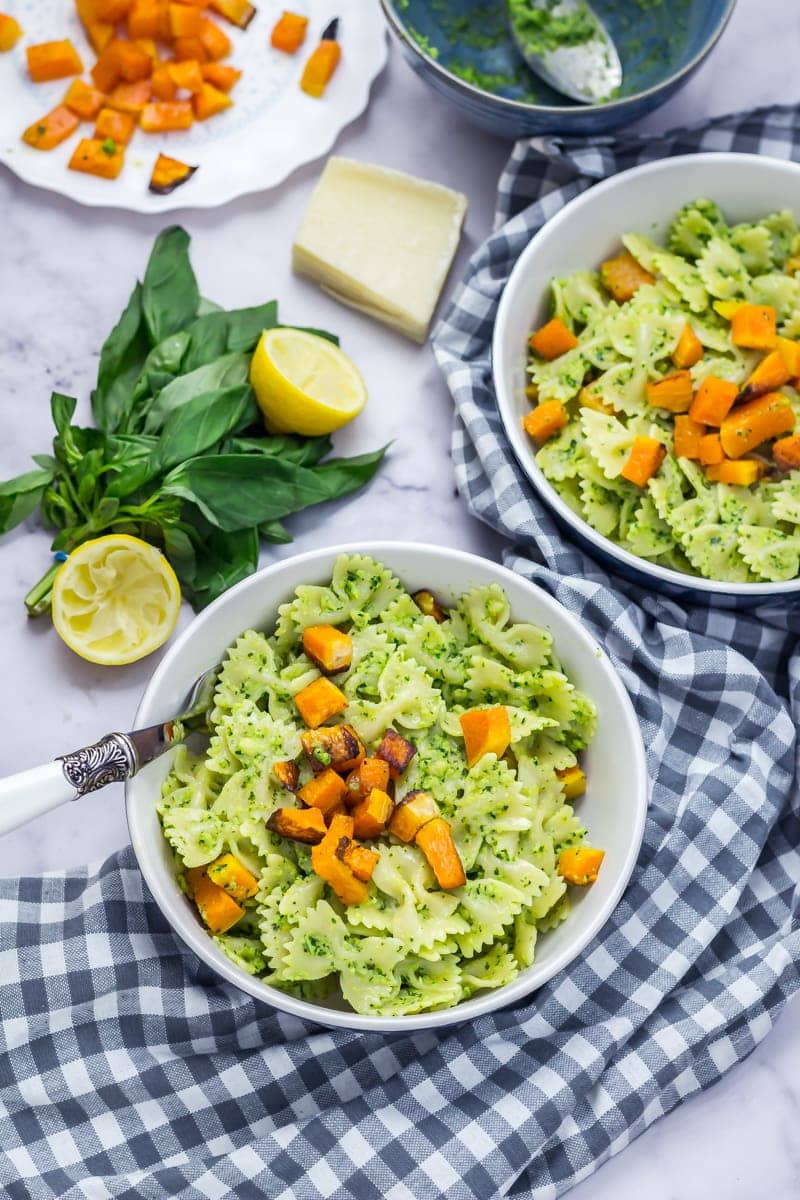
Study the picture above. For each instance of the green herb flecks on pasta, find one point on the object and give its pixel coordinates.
(679, 517)
(409, 946)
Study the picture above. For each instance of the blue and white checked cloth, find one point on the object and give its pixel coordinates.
(128, 1070)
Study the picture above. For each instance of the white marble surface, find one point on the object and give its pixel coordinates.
(65, 274)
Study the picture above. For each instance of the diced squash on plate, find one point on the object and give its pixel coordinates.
(133, 62)
(186, 74)
(10, 32)
(214, 40)
(580, 865)
(166, 116)
(111, 123)
(234, 878)
(82, 99)
(190, 47)
(53, 60)
(299, 824)
(239, 12)
(486, 731)
(328, 648)
(93, 157)
(149, 19)
(210, 101)
(435, 840)
(289, 32)
(131, 98)
(320, 68)
(221, 75)
(52, 129)
(99, 33)
(162, 85)
(184, 20)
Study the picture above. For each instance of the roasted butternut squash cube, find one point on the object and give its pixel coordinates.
(320, 701)
(397, 751)
(328, 647)
(360, 859)
(51, 130)
(435, 840)
(372, 815)
(411, 813)
(92, 157)
(234, 878)
(299, 824)
(486, 731)
(325, 792)
(53, 60)
(219, 911)
(580, 865)
(427, 603)
(333, 869)
(371, 773)
(573, 782)
(83, 100)
(336, 746)
(287, 774)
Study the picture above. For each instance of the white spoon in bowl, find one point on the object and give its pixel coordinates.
(566, 43)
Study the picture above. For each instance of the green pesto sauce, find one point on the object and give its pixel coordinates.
(541, 30)
(476, 44)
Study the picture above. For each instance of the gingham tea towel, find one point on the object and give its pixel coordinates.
(128, 1070)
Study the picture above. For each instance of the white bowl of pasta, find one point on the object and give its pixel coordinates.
(403, 944)
(665, 363)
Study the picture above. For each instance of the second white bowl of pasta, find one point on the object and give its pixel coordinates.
(339, 912)
(670, 442)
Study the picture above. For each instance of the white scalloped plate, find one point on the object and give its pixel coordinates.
(273, 128)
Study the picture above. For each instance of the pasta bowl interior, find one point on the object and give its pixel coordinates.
(466, 936)
(704, 263)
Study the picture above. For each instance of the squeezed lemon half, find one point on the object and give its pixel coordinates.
(115, 600)
(304, 383)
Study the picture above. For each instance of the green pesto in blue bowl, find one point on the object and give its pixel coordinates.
(464, 50)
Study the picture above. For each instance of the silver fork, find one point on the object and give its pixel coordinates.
(115, 758)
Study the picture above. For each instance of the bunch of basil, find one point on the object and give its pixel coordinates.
(179, 456)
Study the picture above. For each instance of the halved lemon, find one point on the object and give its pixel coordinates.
(115, 600)
(304, 383)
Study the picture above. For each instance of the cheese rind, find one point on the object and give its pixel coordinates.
(381, 241)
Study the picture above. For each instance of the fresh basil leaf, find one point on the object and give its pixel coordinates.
(179, 549)
(225, 559)
(162, 364)
(105, 513)
(63, 409)
(207, 306)
(46, 462)
(275, 531)
(323, 333)
(121, 358)
(225, 372)
(20, 496)
(202, 423)
(234, 332)
(235, 491)
(130, 459)
(170, 295)
(15, 507)
(305, 452)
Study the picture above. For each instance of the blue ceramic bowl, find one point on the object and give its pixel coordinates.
(464, 50)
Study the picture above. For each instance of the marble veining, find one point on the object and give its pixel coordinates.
(65, 275)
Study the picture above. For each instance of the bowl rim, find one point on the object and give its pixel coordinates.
(513, 106)
(505, 405)
(199, 941)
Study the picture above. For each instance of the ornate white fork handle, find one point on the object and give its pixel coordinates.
(115, 758)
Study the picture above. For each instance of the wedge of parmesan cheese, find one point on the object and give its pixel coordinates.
(380, 241)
